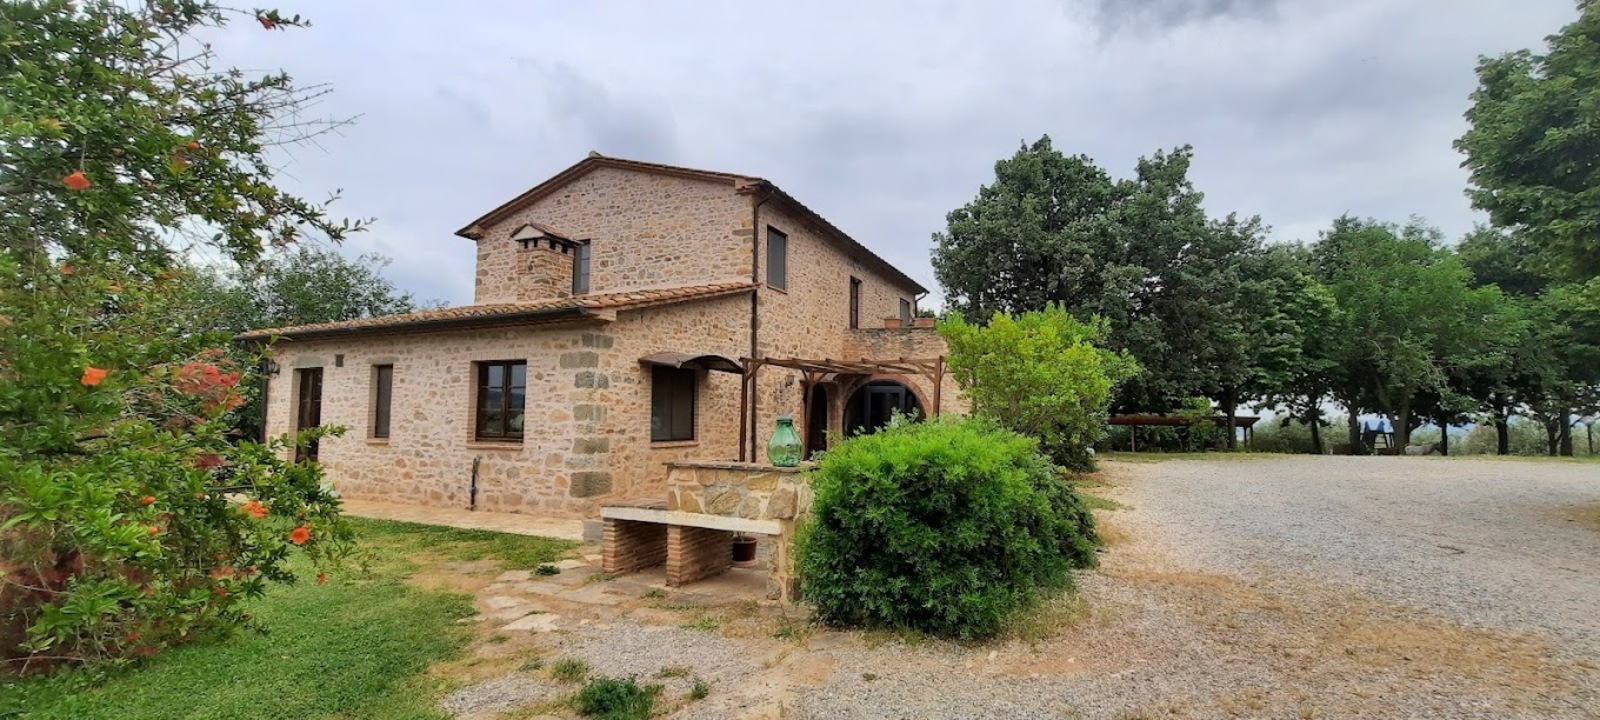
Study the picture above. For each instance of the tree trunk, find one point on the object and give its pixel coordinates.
(1402, 428)
(1233, 413)
(1444, 437)
(1590, 430)
(1355, 433)
(1565, 440)
(1552, 437)
(1502, 427)
(1316, 431)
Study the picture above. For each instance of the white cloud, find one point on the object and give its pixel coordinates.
(884, 116)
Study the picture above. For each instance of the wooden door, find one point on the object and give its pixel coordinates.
(308, 409)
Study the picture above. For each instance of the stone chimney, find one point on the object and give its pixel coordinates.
(544, 263)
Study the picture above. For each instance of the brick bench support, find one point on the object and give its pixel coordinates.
(697, 553)
(631, 545)
(694, 546)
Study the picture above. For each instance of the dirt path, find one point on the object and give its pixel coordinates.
(1294, 588)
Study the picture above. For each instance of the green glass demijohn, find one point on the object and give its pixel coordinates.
(784, 450)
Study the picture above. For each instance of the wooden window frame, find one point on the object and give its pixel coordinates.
(665, 388)
(481, 385)
(382, 401)
(778, 270)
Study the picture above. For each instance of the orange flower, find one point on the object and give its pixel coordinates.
(92, 375)
(220, 591)
(76, 181)
(322, 578)
(221, 573)
(255, 508)
(300, 535)
(154, 530)
(68, 268)
(266, 22)
(207, 460)
(148, 500)
(193, 145)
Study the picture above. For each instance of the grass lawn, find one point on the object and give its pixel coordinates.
(357, 647)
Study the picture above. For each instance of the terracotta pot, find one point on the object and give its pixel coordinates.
(927, 322)
(893, 323)
(744, 550)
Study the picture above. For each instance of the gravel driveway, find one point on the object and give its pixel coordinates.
(1245, 587)
(1486, 542)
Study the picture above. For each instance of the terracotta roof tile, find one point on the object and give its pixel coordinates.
(506, 313)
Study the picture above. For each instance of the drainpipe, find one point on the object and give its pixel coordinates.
(916, 304)
(473, 490)
(749, 433)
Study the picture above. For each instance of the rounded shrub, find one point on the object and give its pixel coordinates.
(948, 528)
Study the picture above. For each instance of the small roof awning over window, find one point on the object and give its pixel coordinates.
(695, 361)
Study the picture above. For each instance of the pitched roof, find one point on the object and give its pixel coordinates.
(740, 183)
(501, 314)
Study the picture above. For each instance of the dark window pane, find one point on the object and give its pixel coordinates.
(855, 303)
(777, 259)
(502, 396)
(672, 401)
(580, 269)
(383, 393)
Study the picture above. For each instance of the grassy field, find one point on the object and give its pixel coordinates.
(357, 647)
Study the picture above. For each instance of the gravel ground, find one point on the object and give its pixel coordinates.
(1482, 541)
(1259, 588)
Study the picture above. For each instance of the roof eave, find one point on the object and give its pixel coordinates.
(527, 317)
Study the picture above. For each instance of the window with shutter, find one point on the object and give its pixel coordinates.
(777, 259)
(672, 401)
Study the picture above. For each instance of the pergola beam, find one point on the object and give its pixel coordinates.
(812, 370)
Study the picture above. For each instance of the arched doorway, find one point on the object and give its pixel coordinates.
(817, 421)
(875, 403)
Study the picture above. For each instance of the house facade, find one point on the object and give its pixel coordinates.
(614, 305)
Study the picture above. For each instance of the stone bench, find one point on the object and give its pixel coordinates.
(692, 530)
(694, 546)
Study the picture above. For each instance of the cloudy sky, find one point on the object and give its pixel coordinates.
(883, 116)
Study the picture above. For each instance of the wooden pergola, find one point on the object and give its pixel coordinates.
(812, 373)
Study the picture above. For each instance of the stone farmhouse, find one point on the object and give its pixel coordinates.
(627, 315)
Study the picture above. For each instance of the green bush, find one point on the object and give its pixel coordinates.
(617, 699)
(948, 528)
(1042, 374)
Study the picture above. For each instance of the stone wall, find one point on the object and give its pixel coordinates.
(754, 492)
(733, 489)
(587, 436)
(646, 231)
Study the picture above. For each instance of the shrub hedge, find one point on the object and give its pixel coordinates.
(948, 528)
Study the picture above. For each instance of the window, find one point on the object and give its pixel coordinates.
(580, 269)
(671, 403)
(382, 394)
(777, 259)
(502, 393)
(905, 310)
(855, 303)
